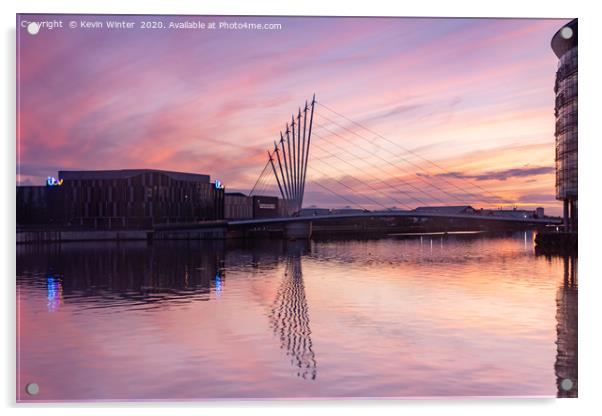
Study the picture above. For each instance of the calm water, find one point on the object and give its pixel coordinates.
(465, 315)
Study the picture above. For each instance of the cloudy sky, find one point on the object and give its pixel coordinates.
(472, 99)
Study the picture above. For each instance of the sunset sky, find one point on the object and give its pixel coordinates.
(475, 96)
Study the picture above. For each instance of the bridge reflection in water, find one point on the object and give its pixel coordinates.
(289, 318)
(192, 286)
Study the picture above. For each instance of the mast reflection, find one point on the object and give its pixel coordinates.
(289, 318)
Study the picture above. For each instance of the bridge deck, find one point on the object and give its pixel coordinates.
(408, 214)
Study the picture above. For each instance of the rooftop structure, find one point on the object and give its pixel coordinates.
(130, 173)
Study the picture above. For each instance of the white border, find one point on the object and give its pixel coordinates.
(590, 275)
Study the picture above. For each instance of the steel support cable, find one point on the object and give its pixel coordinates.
(405, 182)
(408, 182)
(260, 175)
(290, 163)
(284, 179)
(442, 190)
(496, 197)
(261, 187)
(294, 159)
(429, 195)
(364, 183)
(303, 150)
(348, 187)
(408, 151)
(285, 163)
(271, 162)
(269, 177)
(311, 119)
(266, 183)
(337, 194)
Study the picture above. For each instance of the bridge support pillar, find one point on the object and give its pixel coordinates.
(298, 230)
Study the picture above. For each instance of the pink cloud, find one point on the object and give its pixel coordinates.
(214, 102)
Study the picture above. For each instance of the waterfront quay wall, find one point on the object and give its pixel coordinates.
(63, 236)
(221, 230)
(212, 230)
(556, 242)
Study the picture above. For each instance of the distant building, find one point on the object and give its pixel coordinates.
(40, 205)
(346, 210)
(265, 206)
(564, 45)
(129, 198)
(512, 213)
(467, 209)
(313, 211)
(447, 210)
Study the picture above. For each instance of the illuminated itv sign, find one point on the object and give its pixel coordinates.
(52, 181)
(219, 184)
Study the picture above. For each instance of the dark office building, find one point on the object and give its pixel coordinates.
(40, 205)
(265, 206)
(130, 198)
(238, 206)
(564, 44)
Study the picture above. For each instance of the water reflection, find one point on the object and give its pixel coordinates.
(473, 305)
(55, 293)
(104, 275)
(289, 317)
(566, 330)
(218, 285)
(133, 276)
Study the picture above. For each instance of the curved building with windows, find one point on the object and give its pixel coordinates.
(564, 45)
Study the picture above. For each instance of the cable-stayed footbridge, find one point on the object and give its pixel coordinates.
(325, 154)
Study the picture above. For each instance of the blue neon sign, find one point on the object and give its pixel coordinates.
(52, 181)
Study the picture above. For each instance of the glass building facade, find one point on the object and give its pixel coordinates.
(564, 45)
